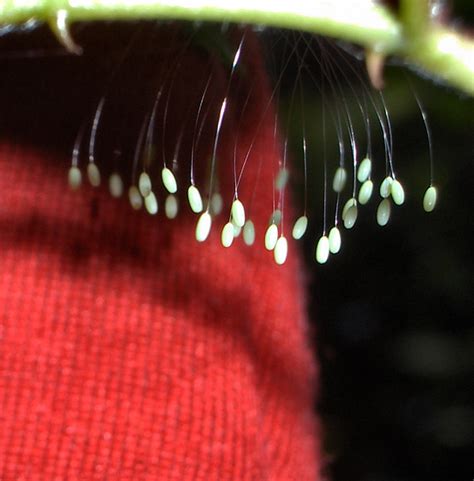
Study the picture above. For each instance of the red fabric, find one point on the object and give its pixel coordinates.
(131, 352)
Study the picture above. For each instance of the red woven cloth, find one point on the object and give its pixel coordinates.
(128, 351)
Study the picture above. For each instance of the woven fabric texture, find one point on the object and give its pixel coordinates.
(128, 351)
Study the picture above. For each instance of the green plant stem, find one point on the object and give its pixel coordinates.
(414, 15)
(447, 55)
(363, 22)
(436, 50)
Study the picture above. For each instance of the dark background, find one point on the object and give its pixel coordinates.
(392, 312)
